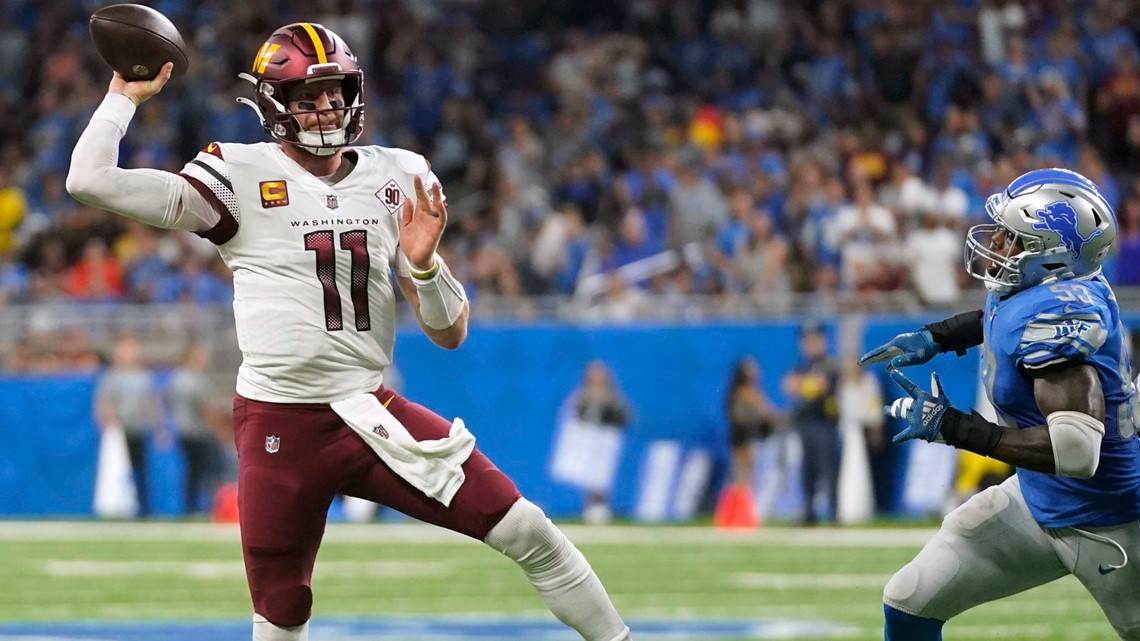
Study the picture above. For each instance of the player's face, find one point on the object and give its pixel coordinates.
(319, 106)
(1004, 244)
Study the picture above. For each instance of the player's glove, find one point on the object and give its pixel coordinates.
(904, 350)
(923, 412)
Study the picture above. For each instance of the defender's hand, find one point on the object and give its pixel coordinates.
(140, 91)
(923, 412)
(421, 226)
(904, 350)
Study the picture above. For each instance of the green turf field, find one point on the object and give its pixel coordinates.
(121, 571)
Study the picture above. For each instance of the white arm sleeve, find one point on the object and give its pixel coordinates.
(1076, 438)
(442, 297)
(152, 196)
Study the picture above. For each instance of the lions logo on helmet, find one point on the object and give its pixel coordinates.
(1049, 224)
(1061, 218)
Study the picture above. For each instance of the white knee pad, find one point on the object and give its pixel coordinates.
(263, 630)
(528, 538)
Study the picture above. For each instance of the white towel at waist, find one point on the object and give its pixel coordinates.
(434, 467)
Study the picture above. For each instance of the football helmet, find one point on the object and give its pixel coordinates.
(1049, 224)
(305, 52)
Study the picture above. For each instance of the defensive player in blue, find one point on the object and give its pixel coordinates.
(1055, 366)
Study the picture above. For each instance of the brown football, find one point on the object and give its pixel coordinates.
(136, 41)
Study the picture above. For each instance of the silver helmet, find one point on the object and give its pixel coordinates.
(1053, 224)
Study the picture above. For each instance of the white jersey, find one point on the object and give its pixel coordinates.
(313, 298)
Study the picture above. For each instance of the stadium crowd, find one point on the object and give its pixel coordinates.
(623, 154)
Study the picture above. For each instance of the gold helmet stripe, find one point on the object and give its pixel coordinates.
(317, 44)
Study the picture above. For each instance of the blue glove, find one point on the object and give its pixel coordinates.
(904, 350)
(923, 412)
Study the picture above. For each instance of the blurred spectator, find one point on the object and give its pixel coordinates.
(812, 386)
(1057, 121)
(1127, 263)
(933, 252)
(696, 207)
(13, 209)
(621, 302)
(751, 417)
(14, 279)
(126, 399)
(862, 231)
(587, 449)
(97, 276)
(861, 430)
(186, 401)
(1117, 103)
(560, 249)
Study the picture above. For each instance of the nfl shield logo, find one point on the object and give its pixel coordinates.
(332, 201)
(272, 444)
(380, 431)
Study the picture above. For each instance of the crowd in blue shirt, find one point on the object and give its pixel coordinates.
(749, 151)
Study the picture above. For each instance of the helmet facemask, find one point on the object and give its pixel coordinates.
(999, 269)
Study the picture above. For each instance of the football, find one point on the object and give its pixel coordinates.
(136, 41)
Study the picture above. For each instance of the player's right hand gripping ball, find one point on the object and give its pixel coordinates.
(136, 41)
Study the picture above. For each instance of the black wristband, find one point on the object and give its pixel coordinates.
(969, 431)
(958, 333)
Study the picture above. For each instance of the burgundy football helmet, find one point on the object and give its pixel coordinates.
(300, 53)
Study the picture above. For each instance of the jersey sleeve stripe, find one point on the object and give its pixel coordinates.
(1090, 331)
(215, 173)
(217, 183)
(1086, 316)
(227, 226)
(1061, 345)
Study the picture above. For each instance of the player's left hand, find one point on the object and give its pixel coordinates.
(904, 350)
(923, 411)
(421, 225)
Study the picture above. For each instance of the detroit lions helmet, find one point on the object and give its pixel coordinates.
(1049, 224)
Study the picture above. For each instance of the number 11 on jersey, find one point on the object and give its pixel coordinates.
(356, 243)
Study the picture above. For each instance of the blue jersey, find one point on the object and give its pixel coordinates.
(1051, 324)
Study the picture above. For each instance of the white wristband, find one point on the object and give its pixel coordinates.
(441, 296)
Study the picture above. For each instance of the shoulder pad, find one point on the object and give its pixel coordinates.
(409, 161)
(214, 149)
(1061, 322)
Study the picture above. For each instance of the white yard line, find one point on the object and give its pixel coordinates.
(235, 569)
(767, 581)
(418, 533)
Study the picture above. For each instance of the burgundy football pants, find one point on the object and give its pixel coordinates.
(295, 458)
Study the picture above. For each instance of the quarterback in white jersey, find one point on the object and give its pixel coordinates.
(312, 229)
(311, 261)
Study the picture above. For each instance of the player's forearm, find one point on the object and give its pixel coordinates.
(1068, 445)
(149, 196)
(958, 333)
(1028, 449)
(451, 337)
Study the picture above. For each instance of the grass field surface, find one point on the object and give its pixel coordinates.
(85, 580)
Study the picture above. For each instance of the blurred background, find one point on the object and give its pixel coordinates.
(678, 222)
